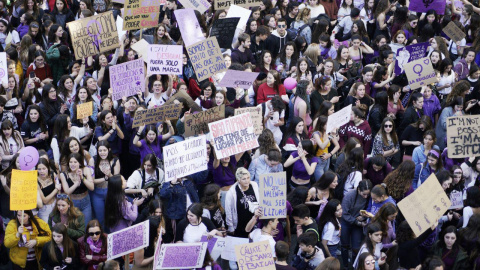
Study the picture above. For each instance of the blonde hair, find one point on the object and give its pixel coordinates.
(241, 172)
(312, 52)
(302, 15)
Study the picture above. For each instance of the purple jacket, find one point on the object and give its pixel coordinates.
(130, 213)
(461, 69)
(431, 106)
(448, 163)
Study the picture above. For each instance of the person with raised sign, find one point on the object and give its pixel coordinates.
(25, 236)
(194, 226)
(304, 162)
(108, 129)
(152, 143)
(83, 96)
(263, 233)
(159, 96)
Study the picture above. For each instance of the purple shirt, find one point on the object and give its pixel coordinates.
(130, 213)
(225, 176)
(431, 106)
(147, 149)
(299, 170)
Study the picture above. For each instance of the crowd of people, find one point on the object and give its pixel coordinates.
(99, 175)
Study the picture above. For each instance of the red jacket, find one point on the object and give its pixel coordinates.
(85, 250)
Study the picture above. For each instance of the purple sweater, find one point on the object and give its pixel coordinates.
(129, 213)
(431, 106)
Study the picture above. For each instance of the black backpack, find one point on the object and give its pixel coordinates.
(295, 32)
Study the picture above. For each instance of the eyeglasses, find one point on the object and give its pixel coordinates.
(94, 233)
(62, 196)
(281, 26)
(388, 126)
(370, 262)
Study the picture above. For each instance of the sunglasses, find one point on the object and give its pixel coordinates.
(281, 26)
(62, 196)
(94, 233)
(388, 126)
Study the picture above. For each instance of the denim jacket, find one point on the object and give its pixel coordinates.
(175, 196)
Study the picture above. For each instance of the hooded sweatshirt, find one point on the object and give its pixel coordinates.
(275, 42)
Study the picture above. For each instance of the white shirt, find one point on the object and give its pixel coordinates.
(353, 179)
(329, 233)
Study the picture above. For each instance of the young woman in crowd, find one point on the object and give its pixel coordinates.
(92, 248)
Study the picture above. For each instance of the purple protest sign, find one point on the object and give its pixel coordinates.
(158, 247)
(127, 79)
(127, 240)
(408, 54)
(235, 78)
(210, 243)
(425, 5)
(182, 256)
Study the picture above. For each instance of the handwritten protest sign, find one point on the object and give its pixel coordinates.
(425, 205)
(206, 58)
(456, 198)
(225, 4)
(228, 253)
(165, 59)
(425, 5)
(141, 47)
(158, 248)
(182, 256)
(273, 195)
(23, 190)
(420, 72)
(200, 5)
(408, 54)
(453, 32)
(3, 68)
(339, 118)
(257, 118)
(128, 240)
(189, 26)
(214, 245)
(233, 135)
(93, 35)
(235, 78)
(141, 14)
(257, 255)
(127, 79)
(197, 123)
(224, 31)
(185, 158)
(463, 138)
(156, 115)
(184, 94)
(240, 12)
(84, 110)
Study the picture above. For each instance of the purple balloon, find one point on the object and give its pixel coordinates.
(28, 158)
(290, 83)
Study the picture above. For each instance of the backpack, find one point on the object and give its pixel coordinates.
(295, 32)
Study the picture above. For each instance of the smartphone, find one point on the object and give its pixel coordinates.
(32, 74)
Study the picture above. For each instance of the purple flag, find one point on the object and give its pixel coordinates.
(409, 54)
(425, 5)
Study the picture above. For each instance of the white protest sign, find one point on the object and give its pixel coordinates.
(339, 118)
(128, 240)
(141, 47)
(185, 158)
(120, 30)
(456, 198)
(228, 253)
(239, 12)
(3, 68)
(235, 78)
(189, 26)
(200, 5)
(165, 59)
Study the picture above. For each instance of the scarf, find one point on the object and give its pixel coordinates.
(95, 246)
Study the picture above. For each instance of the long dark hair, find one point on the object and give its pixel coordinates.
(60, 128)
(297, 196)
(381, 217)
(291, 133)
(50, 105)
(41, 119)
(371, 229)
(67, 243)
(471, 233)
(34, 221)
(441, 239)
(353, 162)
(283, 55)
(210, 198)
(328, 215)
(115, 201)
(109, 156)
(65, 151)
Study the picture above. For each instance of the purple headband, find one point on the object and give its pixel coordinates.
(435, 153)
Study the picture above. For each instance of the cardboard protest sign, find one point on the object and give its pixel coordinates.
(273, 195)
(425, 5)
(165, 59)
(462, 136)
(23, 190)
(206, 58)
(453, 32)
(225, 4)
(128, 240)
(156, 115)
(215, 245)
(93, 35)
(200, 5)
(141, 14)
(420, 72)
(228, 253)
(425, 205)
(224, 30)
(408, 54)
(182, 256)
(339, 118)
(257, 255)
(184, 94)
(185, 158)
(197, 123)
(158, 248)
(127, 79)
(456, 198)
(257, 118)
(3, 68)
(240, 12)
(189, 26)
(141, 47)
(84, 110)
(233, 135)
(235, 78)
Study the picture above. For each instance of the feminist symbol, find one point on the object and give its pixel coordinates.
(426, 219)
(443, 201)
(416, 71)
(95, 36)
(27, 161)
(436, 208)
(418, 225)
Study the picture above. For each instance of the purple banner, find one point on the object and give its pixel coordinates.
(211, 242)
(127, 240)
(425, 5)
(408, 54)
(182, 255)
